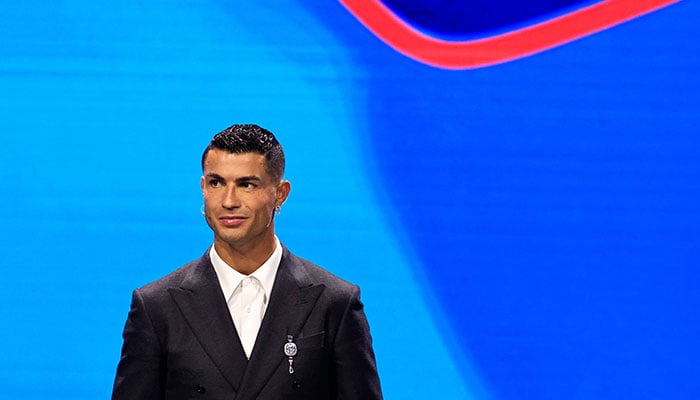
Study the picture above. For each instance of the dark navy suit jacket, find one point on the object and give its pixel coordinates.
(180, 341)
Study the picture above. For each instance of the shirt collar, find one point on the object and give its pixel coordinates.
(229, 278)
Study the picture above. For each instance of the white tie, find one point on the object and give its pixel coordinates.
(249, 302)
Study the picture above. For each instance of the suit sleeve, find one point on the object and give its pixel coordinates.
(140, 370)
(356, 369)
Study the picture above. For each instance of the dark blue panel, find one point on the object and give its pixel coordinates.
(477, 17)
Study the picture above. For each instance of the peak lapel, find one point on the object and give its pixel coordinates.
(292, 298)
(203, 306)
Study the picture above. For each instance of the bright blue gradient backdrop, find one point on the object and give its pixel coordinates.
(524, 231)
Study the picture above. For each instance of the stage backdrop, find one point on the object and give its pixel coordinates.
(516, 188)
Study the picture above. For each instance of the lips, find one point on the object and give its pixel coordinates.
(231, 221)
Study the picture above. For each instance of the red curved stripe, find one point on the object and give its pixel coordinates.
(499, 48)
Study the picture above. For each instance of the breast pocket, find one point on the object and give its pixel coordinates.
(312, 342)
(312, 355)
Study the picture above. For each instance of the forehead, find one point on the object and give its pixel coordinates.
(228, 164)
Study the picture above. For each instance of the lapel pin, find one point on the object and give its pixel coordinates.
(290, 350)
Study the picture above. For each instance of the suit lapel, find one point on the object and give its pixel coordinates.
(292, 298)
(203, 306)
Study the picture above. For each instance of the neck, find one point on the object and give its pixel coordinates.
(245, 259)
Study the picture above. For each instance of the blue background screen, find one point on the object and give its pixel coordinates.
(525, 230)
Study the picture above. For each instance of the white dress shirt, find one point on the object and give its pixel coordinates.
(247, 296)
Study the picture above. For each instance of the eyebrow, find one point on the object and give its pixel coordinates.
(238, 180)
(215, 176)
(248, 179)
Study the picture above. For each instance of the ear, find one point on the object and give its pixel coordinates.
(201, 185)
(283, 189)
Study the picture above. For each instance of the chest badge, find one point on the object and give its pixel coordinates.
(290, 350)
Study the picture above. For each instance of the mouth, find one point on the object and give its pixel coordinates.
(231, 221)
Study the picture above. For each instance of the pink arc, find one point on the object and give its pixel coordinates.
(499, 48)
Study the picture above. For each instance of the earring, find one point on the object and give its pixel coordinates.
(277, 210)
(201, 210)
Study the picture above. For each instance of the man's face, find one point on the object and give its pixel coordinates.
(239, 199)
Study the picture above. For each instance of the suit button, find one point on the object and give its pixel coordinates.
(296, 384)
(200, 389)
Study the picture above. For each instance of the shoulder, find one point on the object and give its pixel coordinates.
(176, 278)
(310, 273)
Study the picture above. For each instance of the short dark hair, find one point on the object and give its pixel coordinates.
(250, 138)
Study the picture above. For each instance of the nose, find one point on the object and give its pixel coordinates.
(231, 200)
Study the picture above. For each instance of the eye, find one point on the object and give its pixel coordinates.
(214, 182)
(249, 185)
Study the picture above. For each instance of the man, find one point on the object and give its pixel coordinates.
(248, 320)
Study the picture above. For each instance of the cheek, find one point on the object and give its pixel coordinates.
(263, 206)
(209, 199)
